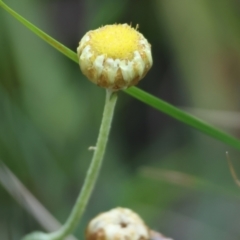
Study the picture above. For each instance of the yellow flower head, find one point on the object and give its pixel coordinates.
(114, 56)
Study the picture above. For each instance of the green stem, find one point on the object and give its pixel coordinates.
(93, 171)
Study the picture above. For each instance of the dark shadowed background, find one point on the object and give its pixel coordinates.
(175, 177)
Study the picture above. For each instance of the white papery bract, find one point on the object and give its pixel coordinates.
(117, 224)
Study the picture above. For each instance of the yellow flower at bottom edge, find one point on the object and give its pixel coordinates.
(114, 56)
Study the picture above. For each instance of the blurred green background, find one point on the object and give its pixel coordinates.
(176, 178)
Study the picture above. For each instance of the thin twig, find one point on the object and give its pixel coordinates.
(25, 198)
(233, 173)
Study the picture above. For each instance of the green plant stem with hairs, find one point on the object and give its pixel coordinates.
(90, 180)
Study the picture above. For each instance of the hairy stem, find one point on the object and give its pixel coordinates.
(93, 170)
(90, 180)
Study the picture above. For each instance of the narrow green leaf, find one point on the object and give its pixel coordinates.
(183, 116)
(60, 47)
(136, 92)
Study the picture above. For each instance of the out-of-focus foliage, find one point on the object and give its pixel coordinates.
(50, 114)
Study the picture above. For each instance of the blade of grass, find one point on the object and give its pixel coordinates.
(25, 198)
(183, 117)
(60, 47)
(136, 92)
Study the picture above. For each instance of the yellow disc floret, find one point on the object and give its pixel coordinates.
(115, 41)
(114, 56)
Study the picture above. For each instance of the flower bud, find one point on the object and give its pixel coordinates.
(114, 56)
(117, 224)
